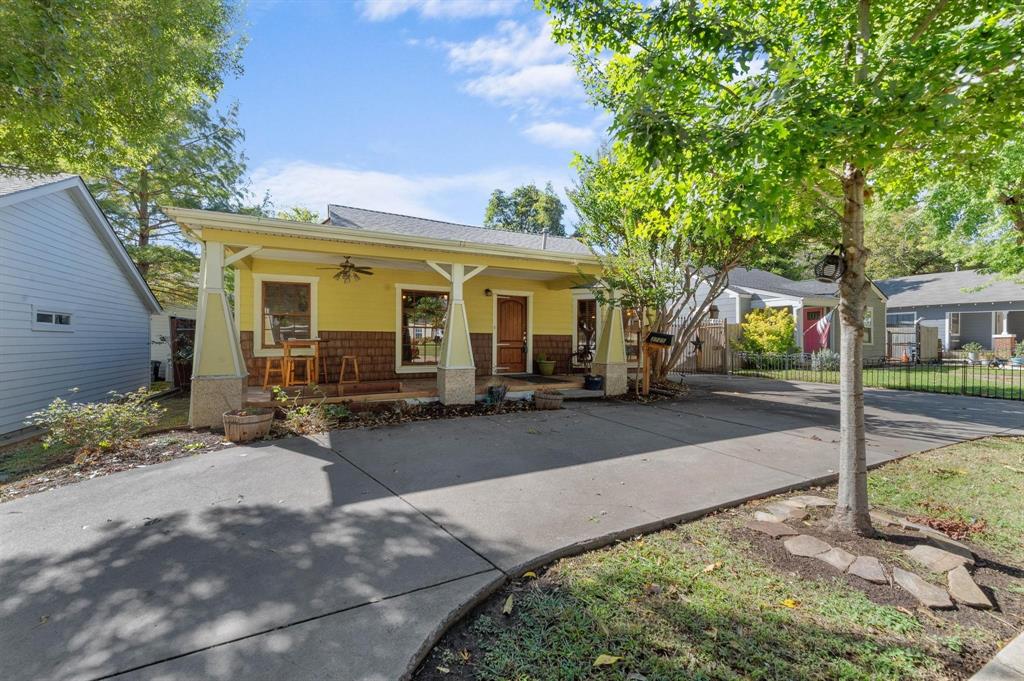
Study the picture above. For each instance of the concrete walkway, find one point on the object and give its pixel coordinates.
(343, 557)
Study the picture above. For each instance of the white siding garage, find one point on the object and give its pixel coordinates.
(74, 312)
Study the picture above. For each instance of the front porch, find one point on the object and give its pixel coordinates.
(409, 389)
(422, 318)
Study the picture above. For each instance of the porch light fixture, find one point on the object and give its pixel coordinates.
(832, 266)
(488, 292)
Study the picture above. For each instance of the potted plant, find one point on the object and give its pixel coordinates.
(247, 424)
(545, 366)
(548, 399)
(972, 349)
(1018, 355)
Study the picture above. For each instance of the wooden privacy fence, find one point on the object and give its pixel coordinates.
(711, 355)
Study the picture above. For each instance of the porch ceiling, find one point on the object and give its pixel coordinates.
(327, 259)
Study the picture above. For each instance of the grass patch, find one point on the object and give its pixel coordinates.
(968, 482)
(705, 600)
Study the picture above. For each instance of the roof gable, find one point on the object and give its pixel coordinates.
(15, 189)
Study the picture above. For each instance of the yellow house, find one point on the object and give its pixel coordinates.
(408, 298)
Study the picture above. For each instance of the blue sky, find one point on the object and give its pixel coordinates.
(410, 106)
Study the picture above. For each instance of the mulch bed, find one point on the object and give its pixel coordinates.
(149, 450)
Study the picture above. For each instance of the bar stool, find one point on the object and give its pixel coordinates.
(344, 365)
(273, 365)
(308, 364)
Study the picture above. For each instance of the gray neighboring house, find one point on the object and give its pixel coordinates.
(811, 302)
(74, 310)
(964, 306)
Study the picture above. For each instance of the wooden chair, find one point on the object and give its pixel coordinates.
(276, 365)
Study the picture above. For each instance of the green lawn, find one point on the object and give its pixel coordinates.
(974, 481)
(700, 602)
(976, 380)
(31, 458)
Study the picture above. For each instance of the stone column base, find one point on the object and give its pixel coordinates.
(615, 382)
(212, 396)
(1004, 346)
(456, 386)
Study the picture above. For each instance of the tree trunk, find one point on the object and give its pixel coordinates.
(851, 512)
(143, 220)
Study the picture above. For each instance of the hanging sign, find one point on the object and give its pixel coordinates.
(658, 340)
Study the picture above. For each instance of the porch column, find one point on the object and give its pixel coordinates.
(610, 357)
(456, 372)
(1003, 342)
(218, 369)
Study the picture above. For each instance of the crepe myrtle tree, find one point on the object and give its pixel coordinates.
(665, 245)
(828, 97)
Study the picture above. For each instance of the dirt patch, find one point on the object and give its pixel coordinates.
(149, 450)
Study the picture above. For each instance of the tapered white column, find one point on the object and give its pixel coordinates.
(218, 368)
(456, 371)
(610, 355)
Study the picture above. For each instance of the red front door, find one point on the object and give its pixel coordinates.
(511, 335)
(816, 329)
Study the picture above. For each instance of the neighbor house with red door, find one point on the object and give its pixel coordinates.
(812, 304)
(377, 303)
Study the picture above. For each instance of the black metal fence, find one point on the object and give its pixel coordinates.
(1003, 379)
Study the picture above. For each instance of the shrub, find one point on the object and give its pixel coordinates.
(301, 419)
(825, 360)
(767, 331)
(89, 427)
(1019, 350)
(973, 346)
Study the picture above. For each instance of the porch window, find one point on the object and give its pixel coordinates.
(954, 324)
(869, 324)
(586, 324)
(286, 312)
(898, 319)
(423, 315)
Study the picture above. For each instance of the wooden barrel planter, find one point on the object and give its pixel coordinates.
(246, 425)
(548, 400)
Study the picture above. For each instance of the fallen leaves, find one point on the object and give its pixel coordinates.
(791, 603)
(708, 569)
(604, 660)
(507, 608)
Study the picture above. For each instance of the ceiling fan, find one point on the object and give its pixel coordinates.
(348, 271)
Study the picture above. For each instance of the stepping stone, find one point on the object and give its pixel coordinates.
(779, 512)
(837, 558)
(809, 500)
(805, 545)
(928, 595)
(964, 590)
(771, 528)
(945, 543)
(935, 559)
(869, 569)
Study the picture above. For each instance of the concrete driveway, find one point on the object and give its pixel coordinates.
(341, 557)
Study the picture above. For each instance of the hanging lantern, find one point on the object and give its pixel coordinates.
(832, 266)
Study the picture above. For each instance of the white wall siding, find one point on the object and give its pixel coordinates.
(51, 257)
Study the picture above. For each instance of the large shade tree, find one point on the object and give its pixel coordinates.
(526, 208)
(86, 86)
(826, 97)
(198, 164)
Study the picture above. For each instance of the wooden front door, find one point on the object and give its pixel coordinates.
(511, 335)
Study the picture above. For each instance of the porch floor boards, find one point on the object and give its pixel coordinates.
(402, 389)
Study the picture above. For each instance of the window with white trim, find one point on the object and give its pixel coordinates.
(423, 315)
(869, 324)
(50, 320)
(954, 324)
(899, 319)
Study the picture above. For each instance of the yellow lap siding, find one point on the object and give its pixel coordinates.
(370, 303)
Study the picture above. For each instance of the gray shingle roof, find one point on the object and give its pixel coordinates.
(378, 221)
(745, 280)
(950, 288)
(9, 184)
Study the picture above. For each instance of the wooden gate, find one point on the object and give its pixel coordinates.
(183, 338)
(709, 355)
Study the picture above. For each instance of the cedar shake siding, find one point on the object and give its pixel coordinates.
(556, 347)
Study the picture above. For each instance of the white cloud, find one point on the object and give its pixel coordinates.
(561, 135)
(532, 85)
(515, 45)
(519, 65)
(382, 10)
(460, 197)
